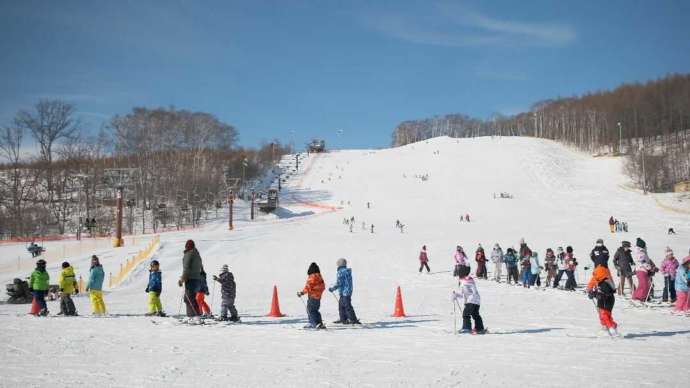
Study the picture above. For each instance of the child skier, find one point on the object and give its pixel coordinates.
(480, 258)
(551, 266)
(668, 268)
(570, 267)
(497, 260)
(468, 294)
(38, 285)
(602, 287)
(314, 288)
(534, 269)
(68, 286)
(525, 265)
(343, 284)
(424, 260)
(228, 293)
(154, 289)
(462, 264)
(511, 261)
(95, 287)
(682, 286)
(204, 309)
(560, 262)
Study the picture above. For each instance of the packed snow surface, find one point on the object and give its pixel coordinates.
(537, 337)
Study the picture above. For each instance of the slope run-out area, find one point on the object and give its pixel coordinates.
(549, 338)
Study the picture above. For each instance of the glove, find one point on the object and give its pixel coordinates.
(215, 277)
(208, 293)
(180, 282)
(87, 289)
(76, 290)
(331, 289)
(147, 290)
(591, 294)
(299, 294)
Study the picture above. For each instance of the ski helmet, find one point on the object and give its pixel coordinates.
(341, 262)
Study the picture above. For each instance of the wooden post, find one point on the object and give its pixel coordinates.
(252, 210)
(231, 202)
(118, 242)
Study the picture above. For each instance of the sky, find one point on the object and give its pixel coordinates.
(344, 71)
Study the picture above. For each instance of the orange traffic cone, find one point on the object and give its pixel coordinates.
(35, 309)
(275, 306)
(399, 310)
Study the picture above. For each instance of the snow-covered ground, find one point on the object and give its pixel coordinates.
(544, 338)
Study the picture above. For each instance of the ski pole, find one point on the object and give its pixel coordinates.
(455, 320)
(179, 308)
(649, 291)
(336, 298)
(213, 293)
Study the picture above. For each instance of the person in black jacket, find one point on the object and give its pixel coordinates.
(623, 262)
(600, 254)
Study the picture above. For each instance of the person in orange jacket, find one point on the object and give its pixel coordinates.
(602, 287)
(314, 289)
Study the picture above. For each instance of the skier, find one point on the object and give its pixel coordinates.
(154, 289)
(192, 267)
(462, 218)
(551, 266)
(644, 269)
(343, 284)
(480, 258)
(571, 266)
(668, 268)
(364, 225)
(525, 264)
(560, 262)
(682, 286)
(623, 262)
(68, 286)
(462, 263)
(600, 254)
(524, 254)
(351, 225)
(314, 288)
(671, 231)
(625, 226)
(372, 228)
(204, 309)
(612, 222)
(534, 268)
(497, 260)
(602, 287)
(511, 265)
(95, 287)
(467, 217)
(467, 293)
(228, 290)
(38, 285)
(423, 260)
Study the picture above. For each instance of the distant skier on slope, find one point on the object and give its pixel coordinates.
(612, 223)
(602, 287)
(423, 260)
(497, 260)
(570, 267)
(511, 261)
(468, 294)
(480, 258)
(462, 263)
(344, 286)
(551, 266)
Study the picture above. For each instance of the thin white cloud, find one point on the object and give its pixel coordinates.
(456, 26)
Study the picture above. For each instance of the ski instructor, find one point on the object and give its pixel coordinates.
(191, 278)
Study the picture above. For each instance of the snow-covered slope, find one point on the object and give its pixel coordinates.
(560, 197)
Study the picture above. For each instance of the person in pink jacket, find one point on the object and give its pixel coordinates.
(668, 268)
(423, 260)
(462, 263)
(644, 269)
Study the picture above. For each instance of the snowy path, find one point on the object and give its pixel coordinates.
(561, 198)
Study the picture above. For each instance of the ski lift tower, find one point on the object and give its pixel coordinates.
(119, 178)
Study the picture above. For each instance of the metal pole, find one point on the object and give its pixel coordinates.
(620, 138)
(118, 232)
(252, 211)
(231, 200)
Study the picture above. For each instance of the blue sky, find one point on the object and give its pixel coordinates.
(316, 67)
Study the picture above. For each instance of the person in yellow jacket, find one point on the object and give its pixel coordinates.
(68, 286)
(95, 286)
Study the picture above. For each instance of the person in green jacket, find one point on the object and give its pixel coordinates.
(68, 286)
(95, 286)
(191, 278)
(38, 285)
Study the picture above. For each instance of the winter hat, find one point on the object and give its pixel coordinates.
(497, 246)
(522, 241)
(343, 263)
(569, 249)
(65, 264)
(560, 249)
(669, 252)
(189, 245)
(549, 250)
(313, 268)
(155, 262)
(424, 247)
(41, 263)
(224, 268)
(600, 242)
(626, 244)
(640, 243)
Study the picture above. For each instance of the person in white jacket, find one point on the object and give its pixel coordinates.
(467, 293)
(497, 260)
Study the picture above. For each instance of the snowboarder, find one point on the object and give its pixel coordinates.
(228, 292)
(344, 286)
(423, 260)
(612, 223)
(314, 288)
(497, 260)
(644, 269)
(462, 263)
(372, 228)
(192, 267)
(68, 286)
(534, 268)
(469, 295)
(602, 287)
(480, 258)
(154, 289)
(511, 265)
(551, 266)
(204, 309)
(624, 262)
(95, 287)
(668, 268)
(682, 286)
(600, 254)
(571, 266)
(560, 262)
(39, 283)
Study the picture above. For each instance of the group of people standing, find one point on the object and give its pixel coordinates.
(617, 226)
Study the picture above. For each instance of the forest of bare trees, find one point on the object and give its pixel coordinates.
(176, 163)
(649, 122)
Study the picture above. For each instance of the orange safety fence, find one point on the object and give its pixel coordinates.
(132, 262)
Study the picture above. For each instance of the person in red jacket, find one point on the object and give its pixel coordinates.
(423, 260)
(314, 289)
(480, 258)
(602, 287)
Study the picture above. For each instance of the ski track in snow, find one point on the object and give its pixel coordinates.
(561, 197)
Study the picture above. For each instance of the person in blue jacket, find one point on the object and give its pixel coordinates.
(95, 286)
(511, 265)
(154, 289)
(344, 286)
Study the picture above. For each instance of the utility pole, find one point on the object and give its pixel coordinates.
(620, 138)
(296, 161)
(119, 242)
(252, 211)
(231, 202)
